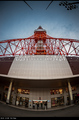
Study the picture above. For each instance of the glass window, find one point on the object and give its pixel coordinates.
(56, 91)
(58, 101)
(22, 101)
(73, 88)
(6, 88)
(53, 102)
(19, 90)
(23, 91)
(60, 91)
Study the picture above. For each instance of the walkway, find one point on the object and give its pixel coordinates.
(30, 109)
(13, 111)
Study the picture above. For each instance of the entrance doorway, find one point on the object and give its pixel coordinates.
(22, 101)
(39, 104)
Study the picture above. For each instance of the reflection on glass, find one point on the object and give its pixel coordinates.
(56, 91)
(23, 91)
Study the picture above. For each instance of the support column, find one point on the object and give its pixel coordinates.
(9, 92)
(70, 92)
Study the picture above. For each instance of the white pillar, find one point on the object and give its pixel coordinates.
(70, 92)
(9, 92)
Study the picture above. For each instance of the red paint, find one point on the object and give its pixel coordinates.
(50, 45)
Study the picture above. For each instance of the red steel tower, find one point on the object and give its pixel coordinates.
(39, 43)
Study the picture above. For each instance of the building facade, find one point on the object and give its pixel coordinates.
(51, 80)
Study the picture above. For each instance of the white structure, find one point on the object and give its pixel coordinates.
(42, 79)
(40, 67)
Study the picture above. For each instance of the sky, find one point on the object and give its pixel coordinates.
(17, 20)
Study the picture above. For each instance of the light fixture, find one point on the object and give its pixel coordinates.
(69, 6)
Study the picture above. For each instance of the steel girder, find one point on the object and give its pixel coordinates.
(52, 46)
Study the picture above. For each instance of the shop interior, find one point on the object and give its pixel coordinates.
(22, 101)
(57, 101)
(39, 104)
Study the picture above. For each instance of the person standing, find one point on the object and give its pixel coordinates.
(33, 106)
(37, 105)
(45, 105)
(41, 105)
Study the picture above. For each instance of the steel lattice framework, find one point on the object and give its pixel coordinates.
(28, 46)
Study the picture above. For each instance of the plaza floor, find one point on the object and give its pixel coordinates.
(13, 111)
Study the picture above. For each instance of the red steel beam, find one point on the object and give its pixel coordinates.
(28, 45)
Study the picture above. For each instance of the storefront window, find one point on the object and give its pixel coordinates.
(23, 91)
(19, 90)
(73, 88)
(56, 91)
(6, 88)
(22, 101)
(58, 101)
(60, 91)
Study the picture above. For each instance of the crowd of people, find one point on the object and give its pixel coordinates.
(37, 104)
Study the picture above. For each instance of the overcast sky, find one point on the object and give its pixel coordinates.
(17, 20)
